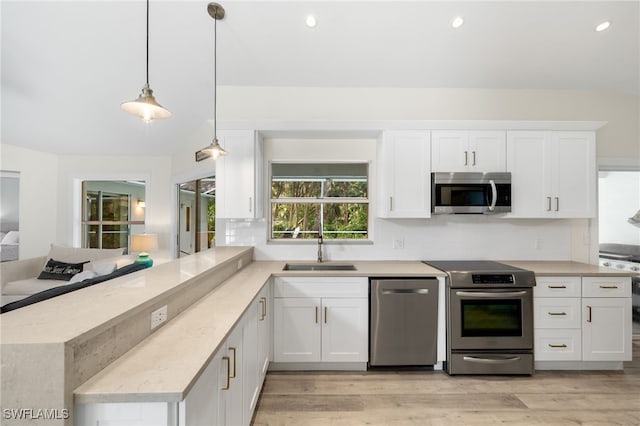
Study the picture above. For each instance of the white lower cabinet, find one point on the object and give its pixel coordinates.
(321, 319)
(581, 319)
(225, 393)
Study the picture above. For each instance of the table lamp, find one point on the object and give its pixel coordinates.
(143, 244)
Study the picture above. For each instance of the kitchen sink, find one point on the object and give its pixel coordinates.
(319, 267)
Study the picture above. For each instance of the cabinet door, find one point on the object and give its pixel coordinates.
(487, 151)
(606, 329)
(574, 179)
(238, 175)
(251, 370)
(296, 330)
(201, 406)
(404, 175)
(450, 151)
(231, 400)
(265, 334)
(345, 330)
(527, 154)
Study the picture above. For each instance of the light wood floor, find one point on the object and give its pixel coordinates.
(434, 398)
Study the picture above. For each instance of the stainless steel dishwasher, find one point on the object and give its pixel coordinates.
(403, 321)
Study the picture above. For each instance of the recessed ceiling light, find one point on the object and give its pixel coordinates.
(603, 26)
(457, 22)
(311, 21)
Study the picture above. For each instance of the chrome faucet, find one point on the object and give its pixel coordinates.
(320, 242)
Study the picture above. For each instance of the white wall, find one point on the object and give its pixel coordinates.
(620, 138)
(38, 197)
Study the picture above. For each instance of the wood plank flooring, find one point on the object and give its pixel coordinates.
(434, 398)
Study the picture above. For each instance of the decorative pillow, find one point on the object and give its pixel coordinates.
(104, 268)
(76, 254)
(55, 270)
(12, 237)
(83, 276)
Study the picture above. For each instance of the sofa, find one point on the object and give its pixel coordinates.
(22, 279)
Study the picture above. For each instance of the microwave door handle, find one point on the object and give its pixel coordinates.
(494, 195)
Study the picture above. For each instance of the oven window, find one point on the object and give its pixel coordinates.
(491, 318)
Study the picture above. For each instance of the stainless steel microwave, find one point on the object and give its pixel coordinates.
(470, 193)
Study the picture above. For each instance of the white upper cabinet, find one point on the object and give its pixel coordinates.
(553, 174)
(468, 151)
(239, 175)
(404, 175)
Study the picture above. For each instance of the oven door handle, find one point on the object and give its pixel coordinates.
(492, 360)
(492, 295)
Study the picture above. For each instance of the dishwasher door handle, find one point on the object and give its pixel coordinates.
(407, 291)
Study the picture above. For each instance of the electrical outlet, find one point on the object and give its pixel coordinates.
(398, 243)
(240, 264)
(537, 243)
(158, 316)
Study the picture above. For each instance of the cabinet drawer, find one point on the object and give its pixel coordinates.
(606, 287)
(558, 345)
(557, 287)
(321, 287)
(557, 312)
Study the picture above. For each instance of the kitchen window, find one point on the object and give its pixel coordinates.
(309, 197)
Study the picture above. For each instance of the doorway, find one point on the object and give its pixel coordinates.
(196, 216)
(619, 228)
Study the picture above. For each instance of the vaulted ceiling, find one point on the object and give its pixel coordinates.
(67, 66)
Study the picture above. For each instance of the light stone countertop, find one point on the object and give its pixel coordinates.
(566, 268)
(195, 335)
(96, 308)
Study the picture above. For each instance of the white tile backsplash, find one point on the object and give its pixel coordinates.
(441, 237)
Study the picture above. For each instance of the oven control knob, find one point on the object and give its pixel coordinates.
(634, 268)
(606, 263)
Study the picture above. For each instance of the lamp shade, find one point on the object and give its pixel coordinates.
(144, 243)
(146, 107)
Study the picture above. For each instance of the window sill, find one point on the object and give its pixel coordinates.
(315, 242)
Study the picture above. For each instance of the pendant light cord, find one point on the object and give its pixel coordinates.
(215, 75)
(147, 43)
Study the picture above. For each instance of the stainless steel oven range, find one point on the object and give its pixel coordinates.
(489, 317)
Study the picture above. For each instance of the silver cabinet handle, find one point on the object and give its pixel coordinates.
(466, 158)
(325, 314)
(485, 295)
(557, 313)
(250, 204)
(233, 376)
(556, 286)
(474, 158)
(407, 291)
(557, 346)
(589, 319)
(548, 204)
(491, 360)
(390, 204)
(316, 314)
(608, 286)
(557, 203)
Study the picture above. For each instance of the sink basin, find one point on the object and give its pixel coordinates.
(319, 267)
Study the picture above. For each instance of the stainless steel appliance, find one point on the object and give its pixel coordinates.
(403, 322)
(479, 193)
(489, 317)
(625, 257)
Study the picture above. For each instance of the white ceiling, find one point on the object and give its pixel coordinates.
(67, 66)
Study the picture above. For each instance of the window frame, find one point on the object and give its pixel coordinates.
(319, 200)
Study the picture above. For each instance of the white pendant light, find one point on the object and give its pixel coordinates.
(214, 150)
(145, 106)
